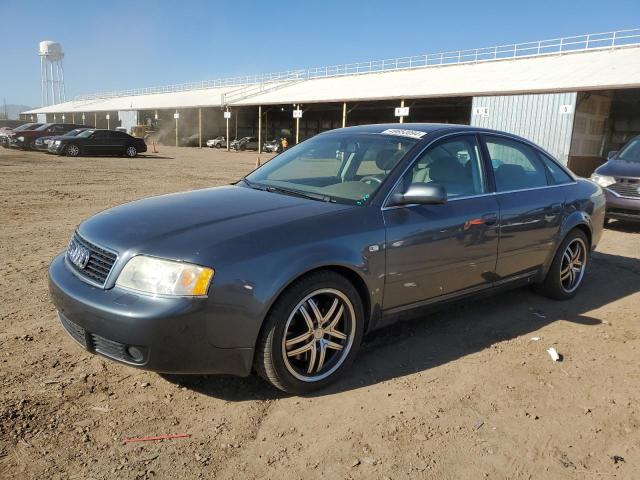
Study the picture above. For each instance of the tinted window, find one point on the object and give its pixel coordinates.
(516, 166)
(558, 174)
(455, 164)
(101, 135)
(119, 135)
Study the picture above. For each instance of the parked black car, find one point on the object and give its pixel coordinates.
(98, 142)
(26, 139)
(42, 143)
(620, 178)
(4, 136)
(283, 272)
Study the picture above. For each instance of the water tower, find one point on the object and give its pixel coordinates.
(51, 72)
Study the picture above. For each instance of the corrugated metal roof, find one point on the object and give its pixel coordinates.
(587, 70)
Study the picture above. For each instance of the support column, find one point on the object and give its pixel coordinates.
(297, 126)
(176, 129)
(95, 120)
(228, 142)
(259, 129)
(402, 106)
(200, 126)
(73, 117)
(344, 114)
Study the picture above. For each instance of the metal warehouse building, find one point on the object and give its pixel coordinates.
(578, 97)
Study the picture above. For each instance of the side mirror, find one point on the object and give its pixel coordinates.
(611, 154)
(421, 194)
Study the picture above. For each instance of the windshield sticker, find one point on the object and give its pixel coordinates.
(404, 133)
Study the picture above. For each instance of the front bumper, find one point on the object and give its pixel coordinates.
(54, 148)
(171, 335)
(622, 208)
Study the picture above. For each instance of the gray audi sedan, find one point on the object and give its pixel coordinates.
(283, 272)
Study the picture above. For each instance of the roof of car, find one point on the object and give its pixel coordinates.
(421, 127)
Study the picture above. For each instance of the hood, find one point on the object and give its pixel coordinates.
(619, 168)
(187, 224)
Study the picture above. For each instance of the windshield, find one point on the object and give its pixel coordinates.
(74, 132)
(342, 167)
(85, 133)
(43, 127)
(26, 126)
(631, 151)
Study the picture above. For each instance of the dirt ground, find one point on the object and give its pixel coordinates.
(464, 393)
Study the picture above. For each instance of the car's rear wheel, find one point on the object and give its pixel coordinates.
(311, 334)
(243, 147)
(568, 267)
(218, 145)
(131, 151)
(72, 151)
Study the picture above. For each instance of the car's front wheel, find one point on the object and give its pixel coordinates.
(72, 151)
(312, 333)
(568, 267)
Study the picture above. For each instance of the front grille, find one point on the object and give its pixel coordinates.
(626, 187)
(100, 261)
(76, 332)
(99, 344)
(108, 347)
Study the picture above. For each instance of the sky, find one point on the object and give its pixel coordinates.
(120, 44)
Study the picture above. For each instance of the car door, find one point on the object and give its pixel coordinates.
(98, 143)
(531, 206)
(119, 142)
(437, 250)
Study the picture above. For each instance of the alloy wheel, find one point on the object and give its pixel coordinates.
(73, 150)
(318, 335)
(574, 262)
(131, 151)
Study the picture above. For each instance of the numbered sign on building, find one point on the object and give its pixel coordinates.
(297, 113)
(176, 115)
(107, 116)
(566, 109)
(481, 111)
(402, 111)
(227, 114)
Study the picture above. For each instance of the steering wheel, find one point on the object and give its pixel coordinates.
(369, 178)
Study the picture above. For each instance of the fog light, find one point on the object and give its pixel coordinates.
(135, 353)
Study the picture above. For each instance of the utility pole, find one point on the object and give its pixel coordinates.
(259, 129)
(402, 106)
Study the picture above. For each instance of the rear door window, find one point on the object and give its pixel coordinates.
(516, 166)
(559, 176)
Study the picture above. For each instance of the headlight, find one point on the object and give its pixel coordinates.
(165, 277)
(57, 142)
(21, 139)
(603, 180)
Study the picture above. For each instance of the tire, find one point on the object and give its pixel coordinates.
(607, 221)
(131, 151)
(329, 350)
(72, 150)
(243, 147)
(217, 145)
(563, 280)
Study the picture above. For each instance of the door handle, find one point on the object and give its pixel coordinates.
(490, 218)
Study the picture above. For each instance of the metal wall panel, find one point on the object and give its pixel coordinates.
(128, 119)
(546, 119)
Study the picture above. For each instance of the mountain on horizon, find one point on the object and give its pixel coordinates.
(13, 111)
